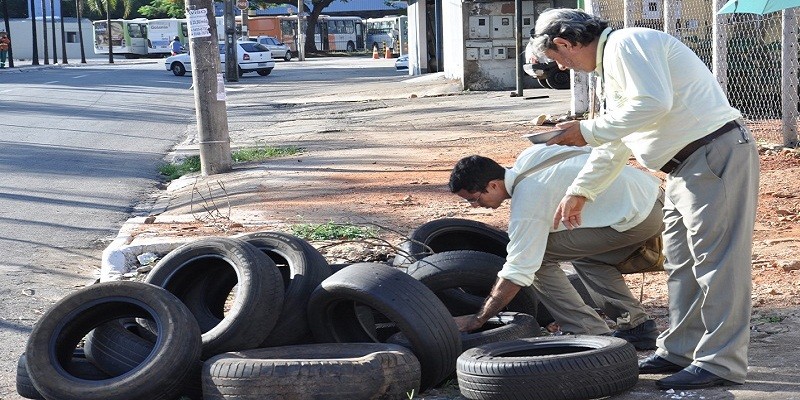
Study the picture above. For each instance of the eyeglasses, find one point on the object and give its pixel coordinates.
(475, 200)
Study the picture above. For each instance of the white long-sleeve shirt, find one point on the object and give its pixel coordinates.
(659, 97)
(627, 202)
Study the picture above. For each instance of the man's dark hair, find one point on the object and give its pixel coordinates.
(474, 173)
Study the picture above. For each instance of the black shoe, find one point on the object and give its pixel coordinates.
(657, 365)
(642, 336)
(692, 377)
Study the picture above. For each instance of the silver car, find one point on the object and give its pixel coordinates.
(278, 49)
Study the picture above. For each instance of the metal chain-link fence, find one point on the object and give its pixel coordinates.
(757, 72)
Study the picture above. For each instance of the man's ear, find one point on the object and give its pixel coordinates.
(562, 42)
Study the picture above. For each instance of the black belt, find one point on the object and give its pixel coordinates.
(690, 148)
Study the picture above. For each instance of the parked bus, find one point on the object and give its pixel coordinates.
(390, 30)
(128, 37)
(161, 32)
(331, 33)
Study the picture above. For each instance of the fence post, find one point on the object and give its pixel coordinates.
(719, 47)
(789, 96)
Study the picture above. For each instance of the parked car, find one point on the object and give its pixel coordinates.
(545, 71)
(278, 49)
(252, 57)
(401, 63)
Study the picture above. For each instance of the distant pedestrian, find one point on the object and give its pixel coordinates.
(4, 43)
(176, 46)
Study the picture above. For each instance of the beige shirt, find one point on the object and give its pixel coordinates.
(627, 203)
(659, 97)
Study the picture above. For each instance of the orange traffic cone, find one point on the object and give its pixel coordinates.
(375, 52)
(388, 54)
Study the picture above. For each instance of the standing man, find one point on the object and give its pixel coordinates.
(4, 43)
(616, 225)
(663, 105)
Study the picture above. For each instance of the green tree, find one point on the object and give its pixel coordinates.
(163, 9)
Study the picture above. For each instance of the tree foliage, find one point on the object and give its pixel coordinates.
(163, 9)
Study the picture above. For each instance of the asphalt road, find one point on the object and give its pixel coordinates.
(79, 151)
(79, 147)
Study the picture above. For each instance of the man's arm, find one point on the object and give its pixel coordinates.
(502, 293)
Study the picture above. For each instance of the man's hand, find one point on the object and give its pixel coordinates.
(569, 212)
(468, 323)
(571, 135)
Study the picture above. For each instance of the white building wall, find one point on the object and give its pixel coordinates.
(453, 22)
(22, 39)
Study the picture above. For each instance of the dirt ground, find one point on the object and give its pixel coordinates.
(384, 162)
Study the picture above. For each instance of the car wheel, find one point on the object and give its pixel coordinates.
(351, 47)
(448, 234)
(264, 72)
(241, 72)
(178, 69)
(288, 56)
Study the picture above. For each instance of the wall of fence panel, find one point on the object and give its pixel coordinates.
(753, 50)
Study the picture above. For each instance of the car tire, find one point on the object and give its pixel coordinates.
(559, 79)
(339, 311)
(318, 371)
(351, 47)
(78, 366)
(240, 71)
(264, 72)
(287, 56)
(303, 268)
(548, 368)
(177, 69)
(451, 234)
(203, 273)
(57, 333)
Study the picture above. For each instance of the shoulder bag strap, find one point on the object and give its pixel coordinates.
(544, 164)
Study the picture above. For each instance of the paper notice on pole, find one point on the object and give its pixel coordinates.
(220, 87)
(198, 23)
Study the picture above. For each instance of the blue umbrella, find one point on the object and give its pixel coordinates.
(756, 6)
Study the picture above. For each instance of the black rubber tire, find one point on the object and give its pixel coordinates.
(78, 366)
(303, 268)
(264, 72)
(287, 56)
(548, 368)
(559, 79)
(313, 371)
(544, 83)
(178, 69)
(503, 326)
(451, 234)
(463, 278)
(392, 296)
(162, 375)
(202, 273)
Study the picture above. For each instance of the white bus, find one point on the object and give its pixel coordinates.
(128, 37)
(393, 31)
(331, 33)
(161, 32)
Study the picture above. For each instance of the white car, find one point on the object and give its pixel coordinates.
(277, 48)
(401, 63)
(252, 57)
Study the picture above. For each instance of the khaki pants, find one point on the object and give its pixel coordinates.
(709, 214)
(594, 252)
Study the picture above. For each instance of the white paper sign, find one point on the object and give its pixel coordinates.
(220, 88)
(198, 23)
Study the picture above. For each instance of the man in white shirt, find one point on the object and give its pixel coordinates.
(615, 225)
(664, 106)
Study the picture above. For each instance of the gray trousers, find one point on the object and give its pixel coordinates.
(709, 216)
(594, 252)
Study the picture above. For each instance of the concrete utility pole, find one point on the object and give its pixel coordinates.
(209, 88)
(301, 40)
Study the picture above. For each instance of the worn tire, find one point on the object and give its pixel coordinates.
(463, 278)
(78, 366)
(336, 314)
(451, 234)
(53, 340)
(203, 273)
(303, 268)
(313, 371)
(548, 368)
(503, 326)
